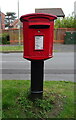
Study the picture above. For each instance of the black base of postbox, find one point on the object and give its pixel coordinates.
(37, 72)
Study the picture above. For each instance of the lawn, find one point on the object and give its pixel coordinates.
(58, 100)
(11, 48)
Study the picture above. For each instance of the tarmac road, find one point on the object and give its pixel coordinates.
(59, 68)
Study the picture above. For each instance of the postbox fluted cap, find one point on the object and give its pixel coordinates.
(37, 15)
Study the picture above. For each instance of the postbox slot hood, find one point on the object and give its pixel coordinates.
(27, 17)
(37, 25)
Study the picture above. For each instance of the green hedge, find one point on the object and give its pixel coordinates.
(67, 22)
(4, 39)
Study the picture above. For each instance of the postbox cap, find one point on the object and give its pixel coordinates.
(37, 15)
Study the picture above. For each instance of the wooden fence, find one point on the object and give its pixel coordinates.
(15, 35)
(59, 34)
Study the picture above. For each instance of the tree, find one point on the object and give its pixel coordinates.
(10, 17)
(67, 22)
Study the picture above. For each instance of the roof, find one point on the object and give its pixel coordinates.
(15, 22)
(54, 11)
(1, 13)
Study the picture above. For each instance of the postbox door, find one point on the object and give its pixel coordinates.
(40, 41)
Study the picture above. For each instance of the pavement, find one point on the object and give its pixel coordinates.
(65, 48)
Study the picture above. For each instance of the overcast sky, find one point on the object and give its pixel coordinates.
(28, 6)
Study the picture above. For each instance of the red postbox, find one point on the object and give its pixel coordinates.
(38, 35)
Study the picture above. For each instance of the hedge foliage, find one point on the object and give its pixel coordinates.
(67, 22)
(4, 38)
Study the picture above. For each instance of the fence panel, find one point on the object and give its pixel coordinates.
(15, 35)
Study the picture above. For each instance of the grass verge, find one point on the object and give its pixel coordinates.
(58, 100)
(11, 48)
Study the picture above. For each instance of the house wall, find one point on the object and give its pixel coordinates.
(2, 20)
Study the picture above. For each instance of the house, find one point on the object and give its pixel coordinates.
(54, 11)
(75, 9)
(2, 20)
(16, 24)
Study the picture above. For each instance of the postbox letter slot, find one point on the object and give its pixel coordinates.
(39, 25)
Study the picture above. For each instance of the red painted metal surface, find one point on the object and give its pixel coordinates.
(38, 35)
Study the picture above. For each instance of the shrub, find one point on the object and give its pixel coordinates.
(67, 22)
(4, 38)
